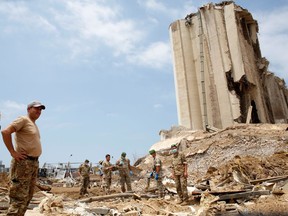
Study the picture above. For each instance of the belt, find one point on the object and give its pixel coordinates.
(32, 158)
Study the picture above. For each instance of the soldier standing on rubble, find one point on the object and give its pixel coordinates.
(157, 173)
(107, 169)
(84, 170)
(24, 163)
(180, 174)
(123, 165)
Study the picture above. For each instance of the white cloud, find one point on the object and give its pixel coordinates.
(12, 105)
(86, 28)
(157, 55)
(174, 13)
(98, 24)
(273, 37)
(154, 5)
(21, 14)
(11, 109)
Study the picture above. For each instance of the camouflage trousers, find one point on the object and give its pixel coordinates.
(23, 175)
(84, 185)
(125, 179)
(107, 184)
(181, 187)
(160, 187)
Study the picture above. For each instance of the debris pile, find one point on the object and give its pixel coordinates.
(241, 170)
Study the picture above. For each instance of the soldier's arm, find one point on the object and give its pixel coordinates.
(79, 170)
(7, 139)
(173, 173)
(129, 164)
(157, 169)
(185, 166)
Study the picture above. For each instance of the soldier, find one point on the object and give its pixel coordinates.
(25, 153)
(123, 165)
(180, 174)
(84, 170)
(157, 173)
(107, 169)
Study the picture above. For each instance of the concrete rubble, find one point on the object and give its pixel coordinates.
(231, 172)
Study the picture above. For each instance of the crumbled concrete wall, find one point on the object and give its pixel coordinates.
(219, 71)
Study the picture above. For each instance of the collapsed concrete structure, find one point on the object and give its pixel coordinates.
(220, 76)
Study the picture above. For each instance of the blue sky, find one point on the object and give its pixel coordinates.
(103, 69)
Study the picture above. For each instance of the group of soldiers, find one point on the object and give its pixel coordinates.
(179, 174)
(122, 165)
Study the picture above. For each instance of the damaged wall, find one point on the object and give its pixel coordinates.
(219, 71)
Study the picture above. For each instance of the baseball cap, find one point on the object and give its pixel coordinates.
(36, 104)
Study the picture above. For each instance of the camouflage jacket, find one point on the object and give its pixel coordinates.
(157, 162)
(107, 172)
(178, 162)
(84, 170)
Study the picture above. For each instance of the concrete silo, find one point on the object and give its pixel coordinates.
(220, 76)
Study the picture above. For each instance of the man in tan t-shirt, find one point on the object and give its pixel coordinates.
(107, 173)
(25, 153)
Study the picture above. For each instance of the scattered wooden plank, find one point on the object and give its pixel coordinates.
(270, 179)
(243, 195)
(217, 192)
(111, 196)
(222, 183)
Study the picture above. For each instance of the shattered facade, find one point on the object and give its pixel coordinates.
(220, 76)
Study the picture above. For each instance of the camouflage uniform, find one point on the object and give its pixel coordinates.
(107, 175)
(123, 165)
(23, 175)
(160, 187)
(178, 162)
(84, 170)
(24, 164)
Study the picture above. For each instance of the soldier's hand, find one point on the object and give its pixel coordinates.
(185, 174)
(18, 156)
(156, 176)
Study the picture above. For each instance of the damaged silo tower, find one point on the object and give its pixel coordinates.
(220, 76)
